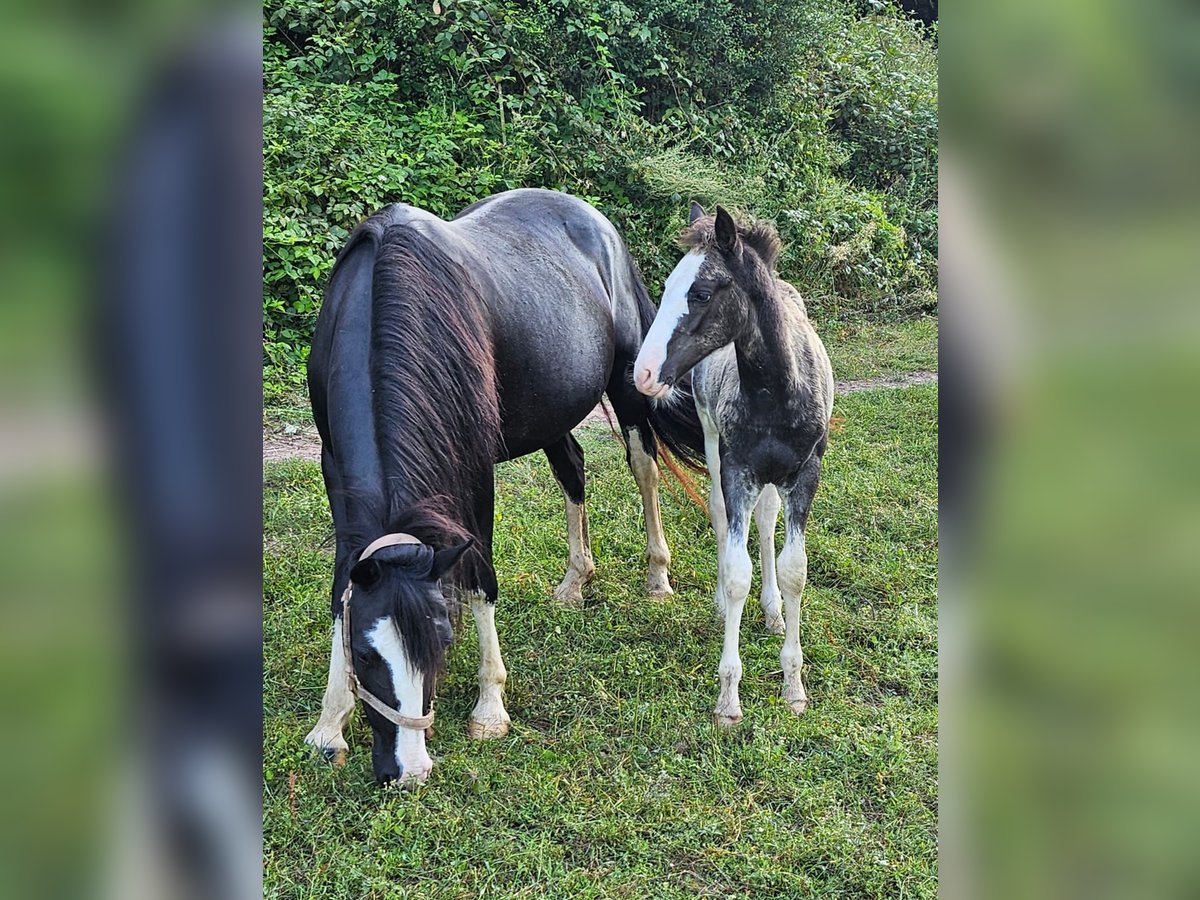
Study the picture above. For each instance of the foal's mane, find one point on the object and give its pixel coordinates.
(760, 236)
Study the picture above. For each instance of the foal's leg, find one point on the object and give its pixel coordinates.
(793, 573)
(716, 502)
(566, 459)
(640, 441)
(765, 514)
(734, 581)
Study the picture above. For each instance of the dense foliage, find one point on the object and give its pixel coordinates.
(813, 113)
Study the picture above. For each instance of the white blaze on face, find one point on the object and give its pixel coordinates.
(409, 685)
(648, 367)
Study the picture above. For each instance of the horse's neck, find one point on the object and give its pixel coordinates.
(770, 350)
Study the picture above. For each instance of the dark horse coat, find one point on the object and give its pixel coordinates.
(443, 348)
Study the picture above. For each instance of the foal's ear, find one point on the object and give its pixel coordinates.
(727, 233)
(444, 560)
(366, 572)
(697, 212)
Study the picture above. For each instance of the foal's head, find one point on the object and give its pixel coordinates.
(707, 299)
(400, 632)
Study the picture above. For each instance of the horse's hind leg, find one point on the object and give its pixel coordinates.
(641, 454)
(642, 461)
(765, 514)
(566, 459)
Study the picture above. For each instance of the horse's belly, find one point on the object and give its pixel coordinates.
(548, 390)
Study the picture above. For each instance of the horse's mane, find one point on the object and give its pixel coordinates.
(436, 408)
(760, 236)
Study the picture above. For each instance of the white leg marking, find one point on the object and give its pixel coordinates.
(735, 584)
(765, 515)
(581, 569)
(716, 504)
(793, 572)
(658, 554)
(337, 704)
(648, 366)
(489, 719)
(409, 684)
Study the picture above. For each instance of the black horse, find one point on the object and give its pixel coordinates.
(443, 348)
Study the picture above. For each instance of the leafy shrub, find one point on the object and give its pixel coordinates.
(801, 112)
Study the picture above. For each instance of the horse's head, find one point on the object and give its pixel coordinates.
(399, 630)
(707, 299)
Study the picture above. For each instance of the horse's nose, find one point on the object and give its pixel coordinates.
(644, 380)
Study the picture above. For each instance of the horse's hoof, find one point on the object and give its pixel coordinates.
(659, 589)
(722, 721)
(487, 731)
(570, 592)
(332, 747)
(775, 625)
(569, 598)
(798, 706)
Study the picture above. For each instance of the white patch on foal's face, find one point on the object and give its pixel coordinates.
(648, 367)
(409, 685)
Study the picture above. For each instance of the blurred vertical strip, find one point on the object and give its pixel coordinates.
(130, 463)
(1070, 221)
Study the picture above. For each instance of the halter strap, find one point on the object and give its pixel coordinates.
(418, 723)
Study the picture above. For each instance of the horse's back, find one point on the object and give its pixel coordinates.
(560, 300)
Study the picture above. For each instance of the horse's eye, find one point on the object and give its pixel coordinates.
(701, 297)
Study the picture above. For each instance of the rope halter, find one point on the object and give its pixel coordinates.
(418, 723)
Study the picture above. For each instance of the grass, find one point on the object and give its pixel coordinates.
(614, 782)
(880, 349)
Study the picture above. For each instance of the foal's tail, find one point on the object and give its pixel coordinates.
(674, 420)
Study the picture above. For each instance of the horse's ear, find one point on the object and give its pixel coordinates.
(697, 212)
(444, 560)
(366, 573)
(727, 233)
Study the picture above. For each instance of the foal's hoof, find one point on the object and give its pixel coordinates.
(487, 731)
(798, 706)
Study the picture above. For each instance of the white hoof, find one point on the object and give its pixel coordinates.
(488, 730)
(727, 721)
(570, 591)
(329, 743)
(659, 587)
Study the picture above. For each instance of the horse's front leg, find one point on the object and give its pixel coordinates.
(489, 719)
(734, 578)
(566, 461)
(645, 473)
(336, 706)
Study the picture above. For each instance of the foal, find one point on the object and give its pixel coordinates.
(764, 391)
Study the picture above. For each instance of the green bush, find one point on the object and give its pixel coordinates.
(801, 112)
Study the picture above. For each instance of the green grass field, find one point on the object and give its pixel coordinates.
(613, 781)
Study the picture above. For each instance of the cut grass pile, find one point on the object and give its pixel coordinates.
(614, 781)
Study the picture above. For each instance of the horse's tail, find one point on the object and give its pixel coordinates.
(675, 422)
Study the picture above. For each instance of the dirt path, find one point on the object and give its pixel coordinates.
(304, 443)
